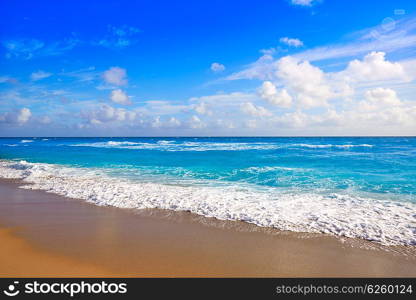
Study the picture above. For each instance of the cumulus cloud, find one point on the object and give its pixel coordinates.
(374, 67)
(269, 92)
(120, 97)
(39, 75)
(223, 124)
(106, 113)
(115, 76)
(17, 117)
(307, 81)
(156, 123)
(379, 98)
(217, 67)
(196, 123)
(173, 122)
(255, 111)
(308, 86)
(202, 109)
(24, 115)
(291, 42)
(221, 105)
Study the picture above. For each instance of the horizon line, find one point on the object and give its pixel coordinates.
(225, 136)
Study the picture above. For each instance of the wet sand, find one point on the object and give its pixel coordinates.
(46, 235)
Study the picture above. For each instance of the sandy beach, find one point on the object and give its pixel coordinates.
(43, 234)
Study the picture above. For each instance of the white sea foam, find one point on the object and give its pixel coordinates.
(186, 146)
(386, 222)
(209, 146)
(26, 141)
(332, 146)
(257, 170)
(163, 142)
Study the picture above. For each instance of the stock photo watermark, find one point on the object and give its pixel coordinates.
(72, 288)
(388, 25)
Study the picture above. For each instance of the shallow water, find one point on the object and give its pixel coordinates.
(355, 187)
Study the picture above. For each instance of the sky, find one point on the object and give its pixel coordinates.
(207, 68)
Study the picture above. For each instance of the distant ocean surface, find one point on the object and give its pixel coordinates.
(354, 187)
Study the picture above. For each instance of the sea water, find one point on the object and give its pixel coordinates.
(362, 187)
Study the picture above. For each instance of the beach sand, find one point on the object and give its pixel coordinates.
(46, 235)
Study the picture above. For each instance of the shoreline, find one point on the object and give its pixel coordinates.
(384, 221)
(77, 238)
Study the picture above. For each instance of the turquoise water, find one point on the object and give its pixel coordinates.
(374, 169)
(377, 165)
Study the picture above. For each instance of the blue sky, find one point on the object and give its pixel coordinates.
(162, 68)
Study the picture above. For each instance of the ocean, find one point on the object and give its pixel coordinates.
(359, 187)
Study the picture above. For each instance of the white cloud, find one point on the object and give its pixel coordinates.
(196, 123)
(29, 48)
(156, 123)
(83, 75)
(23, 48)
(202, 109)
(120, 97)
(291, 42)
(308, 86)
(118, 37)
(303, 2)
(24, 115)
(307, 81)
(402, 36)
(173, 122)
(217, 67)
(17, 117)
(380, 98)
(162, 108)
(261, 69)
(45, 120)
(296, 119)
(255, 111)
(375, 67)
(39, 75)
(8, 79)
(224, 98)
(223, 124)
(95, 122)
(115, 76)
(367, 118)
(250, 124)
(106, 113)
(269, 92)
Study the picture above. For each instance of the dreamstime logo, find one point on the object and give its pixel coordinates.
(387, 27)
(11, 289)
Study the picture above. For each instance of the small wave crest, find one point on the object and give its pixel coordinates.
(346, 146)
(185, 146)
